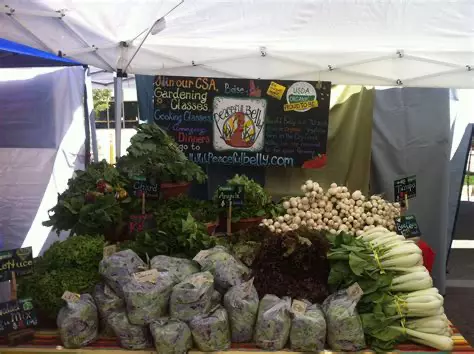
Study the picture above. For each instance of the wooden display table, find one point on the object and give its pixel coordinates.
(49, 342)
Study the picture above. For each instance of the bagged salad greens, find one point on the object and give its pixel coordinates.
(192, 297)
(344, 326)
(308, 328)
(171, 336)
(216, 298)
(107, 300)
(118, 268)
(148, 300)
(241, 303)
(130, 336)
(78, 322)
(273, 322)
(211, 332)
(178, 268)
(227, 270)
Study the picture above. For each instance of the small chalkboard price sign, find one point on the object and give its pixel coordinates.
(231, 195)
(407, 226)
(17, 315)
(19, 260)
(404, 189)
(141, 185)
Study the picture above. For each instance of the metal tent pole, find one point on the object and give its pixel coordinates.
(118, 95)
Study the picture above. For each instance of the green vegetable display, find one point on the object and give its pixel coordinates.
(273, 322)
(171, 336)
(308, 330)
(178, 232)
(344, 326)
(78, 322)
(192, 297)
(257, 202)
(146, 301)
(397, 289)
(211, 332)
(69, 265)
(241, 303)
(93, 202)
(155, 155)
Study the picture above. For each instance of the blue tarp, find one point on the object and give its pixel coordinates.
(14, 55)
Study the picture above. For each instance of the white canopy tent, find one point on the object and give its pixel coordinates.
(416, 43)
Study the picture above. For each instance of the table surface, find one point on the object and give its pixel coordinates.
(50, 342)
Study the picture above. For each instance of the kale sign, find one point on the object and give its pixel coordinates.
(19, 260)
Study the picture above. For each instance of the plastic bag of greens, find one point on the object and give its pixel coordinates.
(130, 336)
(227, 270)
(178, 268)
(147, 300)
(273, 322)
(171, 336)
(211, 332)
(107, 300)
(308, 327)
(216, 299)
(241, 303)
(118, 269)
(78, 322)
(344, 326)
(192, 297)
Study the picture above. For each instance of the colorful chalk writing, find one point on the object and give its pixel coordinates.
(244, 122)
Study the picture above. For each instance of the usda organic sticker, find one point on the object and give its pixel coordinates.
(301, 97)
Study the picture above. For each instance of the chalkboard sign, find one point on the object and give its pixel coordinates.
(259, 123)
(407, 226)
(404, 187)
(17, 315)
(234, 194)
(19, 260)
(142, 185)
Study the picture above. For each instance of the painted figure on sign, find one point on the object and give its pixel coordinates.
(239, 132)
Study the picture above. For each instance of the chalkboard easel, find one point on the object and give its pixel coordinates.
(24, 335)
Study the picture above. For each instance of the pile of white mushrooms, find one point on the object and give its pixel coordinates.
(334, 210)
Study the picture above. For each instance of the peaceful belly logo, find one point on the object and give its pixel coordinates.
(238, 123)
(301, 97)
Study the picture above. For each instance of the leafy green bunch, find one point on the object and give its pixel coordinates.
(155, 155)
(181, 229)
(69, 265)
(257, 202)
(83, 208)
(353, 260)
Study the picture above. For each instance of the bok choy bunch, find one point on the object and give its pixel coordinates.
(399, 301)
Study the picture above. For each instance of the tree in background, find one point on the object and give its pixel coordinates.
(102, 98)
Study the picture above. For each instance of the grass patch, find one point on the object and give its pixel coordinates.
(469, 179)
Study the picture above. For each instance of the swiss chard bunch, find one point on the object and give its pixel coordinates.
(92, 202)
(155, 155)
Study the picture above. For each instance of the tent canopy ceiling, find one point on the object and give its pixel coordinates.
(14, 55)
(373, 42)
